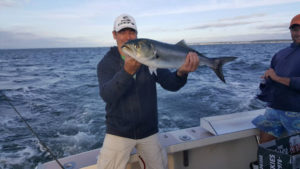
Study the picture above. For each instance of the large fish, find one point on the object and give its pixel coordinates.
(157, 54)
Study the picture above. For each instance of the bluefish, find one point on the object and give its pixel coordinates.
(157, 54)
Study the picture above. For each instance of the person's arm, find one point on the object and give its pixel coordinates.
(170, 80)
(112, 84)
(283, 80)
(175, 80)
(292, 82)
(270, 73)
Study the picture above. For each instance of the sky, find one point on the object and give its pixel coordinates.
(89, 23)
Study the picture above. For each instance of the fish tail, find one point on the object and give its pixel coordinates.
(218, 65)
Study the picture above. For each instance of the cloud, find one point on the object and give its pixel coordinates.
(245, 17)
(11, 3)
(21, 40)
(283, 26)
(7, 3)
(221, 25)
(212, 6)
(231, 22)
(259, 20)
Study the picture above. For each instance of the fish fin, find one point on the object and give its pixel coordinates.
(152, 70)
(218, 64)
(182, 43)
(155, 54)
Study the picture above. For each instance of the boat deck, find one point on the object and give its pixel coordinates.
(226, 141)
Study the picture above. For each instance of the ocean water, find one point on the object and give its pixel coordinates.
(56, 90)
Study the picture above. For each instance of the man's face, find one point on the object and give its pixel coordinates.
(124, 35)
(295, 33)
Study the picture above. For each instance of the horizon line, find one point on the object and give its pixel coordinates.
(192, 43)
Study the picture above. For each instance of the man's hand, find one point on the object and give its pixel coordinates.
(190, 65)
(131, 65)
(270, 73)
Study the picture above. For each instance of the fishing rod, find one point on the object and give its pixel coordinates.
(30, 128)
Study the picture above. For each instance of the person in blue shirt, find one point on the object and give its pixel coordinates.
(129, 91)
(281, 91)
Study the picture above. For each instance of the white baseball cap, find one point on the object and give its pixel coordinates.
(124, 21)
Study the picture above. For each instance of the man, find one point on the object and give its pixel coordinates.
(281, 91)
(129, 91)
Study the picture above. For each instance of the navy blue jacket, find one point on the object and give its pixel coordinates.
(286, 63)
(131, 102)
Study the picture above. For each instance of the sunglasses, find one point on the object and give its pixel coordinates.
(295, 28)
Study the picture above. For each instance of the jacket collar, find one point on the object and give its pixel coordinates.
(295, 45)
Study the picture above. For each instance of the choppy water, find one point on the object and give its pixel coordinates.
(56, 90)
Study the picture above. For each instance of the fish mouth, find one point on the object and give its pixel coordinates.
(125, 47)
(127, 50)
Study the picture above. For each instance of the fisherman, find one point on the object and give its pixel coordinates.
(129, 91)
(281, 91)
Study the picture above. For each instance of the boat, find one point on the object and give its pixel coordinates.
(224, 141)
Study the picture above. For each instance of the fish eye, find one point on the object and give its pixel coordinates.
(136, 45)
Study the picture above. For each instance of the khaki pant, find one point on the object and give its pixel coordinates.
(116, 150)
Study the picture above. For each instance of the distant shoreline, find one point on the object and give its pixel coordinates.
(243, 42)
(195, 43)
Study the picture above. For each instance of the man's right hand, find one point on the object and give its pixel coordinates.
(131, 65)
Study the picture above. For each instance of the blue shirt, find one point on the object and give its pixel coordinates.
(286, 63)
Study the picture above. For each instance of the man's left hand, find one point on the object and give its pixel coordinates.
(190, 65)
